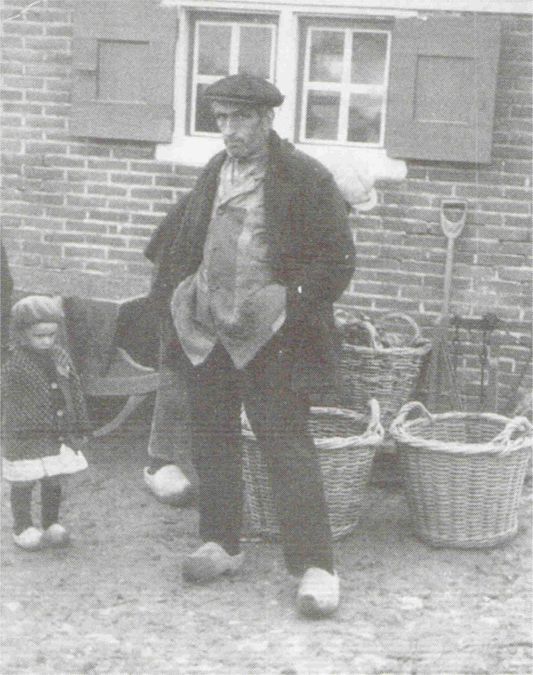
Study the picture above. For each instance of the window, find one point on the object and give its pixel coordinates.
(369, 86)
(344, 84)
(224, 47)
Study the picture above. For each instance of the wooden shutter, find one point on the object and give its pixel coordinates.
(442, 88)
(123, 61)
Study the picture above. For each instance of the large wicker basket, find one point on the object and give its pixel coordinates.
(389, 374)
(346, 442)
(463, 474)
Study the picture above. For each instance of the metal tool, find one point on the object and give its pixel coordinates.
(452, 221)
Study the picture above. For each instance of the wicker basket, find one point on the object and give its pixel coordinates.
(463, 474)
(388, 374)
(346, 442)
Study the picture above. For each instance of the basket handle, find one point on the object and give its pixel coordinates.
(406, 410)
(345, 320)
(375, 428)
(504, 442)
(406, 319)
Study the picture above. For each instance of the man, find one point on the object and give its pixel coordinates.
(169, 443)
(263, 250)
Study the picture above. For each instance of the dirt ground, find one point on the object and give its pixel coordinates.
(114, 601)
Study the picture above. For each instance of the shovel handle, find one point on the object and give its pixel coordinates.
(452, 228)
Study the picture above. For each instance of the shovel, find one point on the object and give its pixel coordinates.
(452, 221)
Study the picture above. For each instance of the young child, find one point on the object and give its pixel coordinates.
(44, 420)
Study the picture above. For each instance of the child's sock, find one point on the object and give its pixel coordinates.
(20, 496)
(50, 501)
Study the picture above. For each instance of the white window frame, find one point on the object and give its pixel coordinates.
(345, 87)
(235, 38)
(196, 150)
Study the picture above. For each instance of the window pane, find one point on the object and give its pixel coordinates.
(364, 122)
(213, 49)
(322, 118)
(368, 58)
(205, 120)
(255, 49)
(327, 48)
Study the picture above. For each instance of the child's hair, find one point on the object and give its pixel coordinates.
(32, 310)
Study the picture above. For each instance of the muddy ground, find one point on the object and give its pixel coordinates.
(114, 602)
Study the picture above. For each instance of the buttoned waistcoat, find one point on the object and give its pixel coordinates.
(310, 250)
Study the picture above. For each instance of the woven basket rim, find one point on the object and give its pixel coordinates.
(423, 348)
(338, 442)
(404, 435)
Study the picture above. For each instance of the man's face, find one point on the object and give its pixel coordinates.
(244, 128)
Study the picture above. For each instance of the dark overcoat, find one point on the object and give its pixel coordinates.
(31, 426)
(310, 248)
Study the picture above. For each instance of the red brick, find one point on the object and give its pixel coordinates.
(129, 205)
(47, 96)
(141, 151)
(106, 267)
(84, 176)
(84, 252)
(48, 148)
(11, 121)
(89, 149)
(44, 173)
(47, 43)
(46, 70)
(113, 216)
(11, 68)
(106, 164)
(145, 219)
(105, 240)
(40, 248)
(22, 108)
(86, 202)
(63, 187)
(106, 190)
(132, 178)
(152, 167)
(175, 181)
(63, 237)
(62, 161)
(46, 122)
(22, 28)
(85, 226)
(128, 256)
(149, 193)
(64, 212)
(22, 134)
(522, 274)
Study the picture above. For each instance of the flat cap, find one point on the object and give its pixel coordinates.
(244, 88)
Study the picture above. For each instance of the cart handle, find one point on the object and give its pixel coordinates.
(408, 320)
(375, 427)
(345, 319)
(406, 410)
(504, 441)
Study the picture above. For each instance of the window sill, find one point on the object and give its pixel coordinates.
(355, 169)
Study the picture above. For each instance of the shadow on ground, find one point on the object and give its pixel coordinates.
(114, 602)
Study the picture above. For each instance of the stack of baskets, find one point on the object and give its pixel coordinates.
(346, 442)
(463, 474)
(380, 361)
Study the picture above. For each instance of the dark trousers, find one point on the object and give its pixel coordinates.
(20, 496)
(278, 418)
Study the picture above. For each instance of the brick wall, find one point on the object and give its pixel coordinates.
(77, 212)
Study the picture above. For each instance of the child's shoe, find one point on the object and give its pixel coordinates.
(29, 539)
(55, 536)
